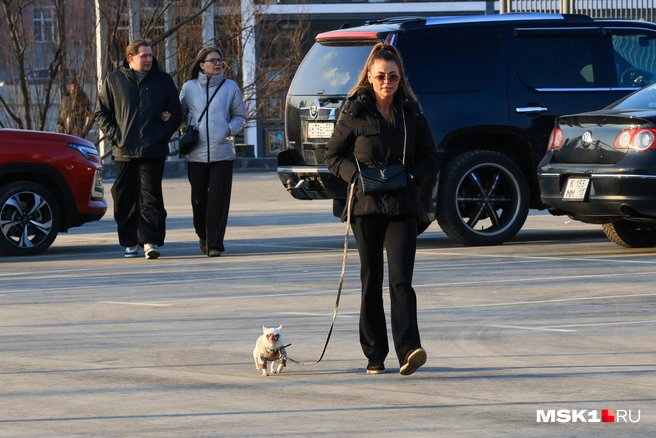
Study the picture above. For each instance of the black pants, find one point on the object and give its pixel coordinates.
(211, 186)
(138, 202)
(398, 234)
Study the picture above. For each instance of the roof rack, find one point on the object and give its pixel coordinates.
(385, 20)
(577, 17)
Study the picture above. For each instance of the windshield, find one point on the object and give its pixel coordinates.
(641, 99)
(330, 69)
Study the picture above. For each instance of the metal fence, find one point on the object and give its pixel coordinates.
(630, 9)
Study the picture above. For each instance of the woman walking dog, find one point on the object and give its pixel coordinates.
(381, 125)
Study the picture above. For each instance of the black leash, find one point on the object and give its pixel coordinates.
(349, 203)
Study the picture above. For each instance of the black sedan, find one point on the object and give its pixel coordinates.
(600, 168)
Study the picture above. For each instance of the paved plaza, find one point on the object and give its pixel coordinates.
(96, 345)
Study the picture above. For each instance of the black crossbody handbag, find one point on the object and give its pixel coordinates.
(384, 178)
(189, 139)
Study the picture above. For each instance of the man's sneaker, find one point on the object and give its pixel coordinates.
(412, 361)
(152, 251)
(132, 251)
(214, 253)
(202, 243)
(376, 367)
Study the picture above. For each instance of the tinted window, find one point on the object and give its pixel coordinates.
(643, 99)
(635, 59)
(330, 69)
(449, 61)
(557, 62)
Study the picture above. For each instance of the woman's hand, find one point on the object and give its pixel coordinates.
(166, 116)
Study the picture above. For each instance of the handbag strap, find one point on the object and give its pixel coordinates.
(209, 101)
(405, 141)
(405, 135)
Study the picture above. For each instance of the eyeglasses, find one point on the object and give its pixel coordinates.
(214, 60)
(380, 78)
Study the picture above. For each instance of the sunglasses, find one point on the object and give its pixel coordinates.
(380, 78)
(214, 60)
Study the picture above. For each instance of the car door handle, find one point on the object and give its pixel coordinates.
(530, 109)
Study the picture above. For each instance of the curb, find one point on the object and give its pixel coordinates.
(178, 168)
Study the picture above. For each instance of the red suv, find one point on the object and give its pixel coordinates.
(49, 183)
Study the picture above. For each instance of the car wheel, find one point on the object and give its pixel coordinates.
(29, 218)
(483, 198)
(630, 234)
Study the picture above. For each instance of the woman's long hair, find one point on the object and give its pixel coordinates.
(195, 67)
(386, 53)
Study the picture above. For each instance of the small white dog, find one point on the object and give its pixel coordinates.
(270, 347)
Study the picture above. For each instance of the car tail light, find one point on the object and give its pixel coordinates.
(643, 140)
(556, 140)
(623, 140)
(637, 139)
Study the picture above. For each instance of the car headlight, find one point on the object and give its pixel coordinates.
(84, 150)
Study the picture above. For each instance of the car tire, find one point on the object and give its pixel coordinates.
(629, 234)
(29, 218)
(483, 198)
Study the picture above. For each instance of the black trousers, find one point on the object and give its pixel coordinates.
(398, 235)
(138, 202)
(211, 187)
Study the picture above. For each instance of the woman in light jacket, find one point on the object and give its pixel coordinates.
(210, 163)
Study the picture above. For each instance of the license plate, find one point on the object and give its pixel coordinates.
(576, 189)
(320, 130)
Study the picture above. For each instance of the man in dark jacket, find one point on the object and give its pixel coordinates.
(138, 110)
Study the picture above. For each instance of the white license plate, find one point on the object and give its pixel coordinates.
(576, 189)
(320, 130)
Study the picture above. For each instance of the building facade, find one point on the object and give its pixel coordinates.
(263, 42)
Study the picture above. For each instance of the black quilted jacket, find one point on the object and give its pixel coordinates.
(129, 112)
(361, 132)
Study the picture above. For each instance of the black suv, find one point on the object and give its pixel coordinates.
(490, 86)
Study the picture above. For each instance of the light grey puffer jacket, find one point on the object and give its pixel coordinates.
(223, 120)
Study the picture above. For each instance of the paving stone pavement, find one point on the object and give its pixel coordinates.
(96, 345)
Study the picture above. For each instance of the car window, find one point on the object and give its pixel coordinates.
(445, 61)
(330, 69)
(635, 59)
(557, 62)
(643, 99)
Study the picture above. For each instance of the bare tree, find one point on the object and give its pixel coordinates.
(26, 102)
(26, 105)
(279, 52)
(152, 23)
(279, 43)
